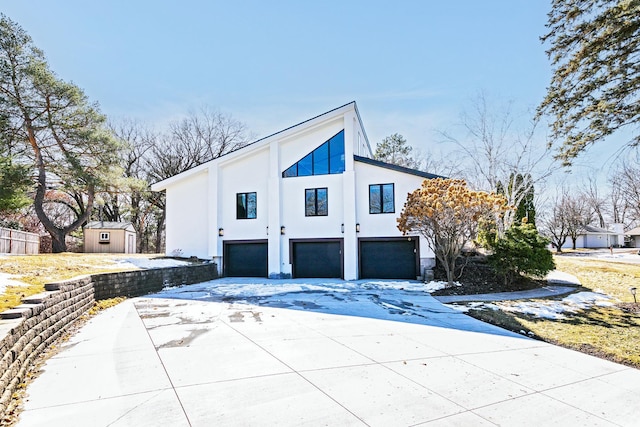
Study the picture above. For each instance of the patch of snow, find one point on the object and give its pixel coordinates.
(547, 310)
(436, 286)
(147, 263)
(393, 284)
(561, 278)
(553, 310)
(586, 299)
(6, 280)
(269, 289)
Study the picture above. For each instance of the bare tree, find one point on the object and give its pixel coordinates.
(591, 194)
(576, 215)
(553, 223)
(496, 151)
(625, 191)
(196, 139)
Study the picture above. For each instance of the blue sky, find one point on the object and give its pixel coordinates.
(412, 66)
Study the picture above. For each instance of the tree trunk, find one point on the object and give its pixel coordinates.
(159, 230)
(58, 242)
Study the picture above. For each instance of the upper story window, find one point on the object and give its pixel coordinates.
(104, 236)
(326, 159)
(381, 198)
(246, 205)
(316, 202)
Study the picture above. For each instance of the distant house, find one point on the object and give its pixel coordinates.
(109, 237)
(633, 238)
(596, 237)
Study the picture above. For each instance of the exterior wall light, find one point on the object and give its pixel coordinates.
(357, 227)
(267, 230)
(282, 230)
(342, 228)
(633, 292)
(220, 232)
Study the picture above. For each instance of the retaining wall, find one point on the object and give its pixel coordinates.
(27, 330)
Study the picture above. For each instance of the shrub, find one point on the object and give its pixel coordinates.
(522, 251)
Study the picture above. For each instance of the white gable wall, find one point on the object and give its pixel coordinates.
(187, 210)
(294, 147)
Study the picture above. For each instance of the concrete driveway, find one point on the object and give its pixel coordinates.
(378, 354)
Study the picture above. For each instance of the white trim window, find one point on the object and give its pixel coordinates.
(104, 236)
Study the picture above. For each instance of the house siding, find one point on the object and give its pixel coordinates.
(187, 217)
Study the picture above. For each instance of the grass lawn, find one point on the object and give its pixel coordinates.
(609, 332)
(37, 270)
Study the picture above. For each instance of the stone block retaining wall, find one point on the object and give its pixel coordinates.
(27, 330)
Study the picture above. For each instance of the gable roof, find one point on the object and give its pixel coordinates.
(161, 185)
(395, 167)
(633, 232)
(590, 229)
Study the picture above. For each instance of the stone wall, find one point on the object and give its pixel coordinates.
(142, 282)
(27, 330)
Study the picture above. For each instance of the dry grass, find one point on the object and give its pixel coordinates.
(37, 270)
(607, 332)
(612, 278)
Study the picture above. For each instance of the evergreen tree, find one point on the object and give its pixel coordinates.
(395, 150)
(53, 125)
(522, 251)
(595, 87)
(15, 181)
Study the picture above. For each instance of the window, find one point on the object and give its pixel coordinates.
(381, 199)
(246, 205)
(324, 160)
(104, 237)
(315, 202)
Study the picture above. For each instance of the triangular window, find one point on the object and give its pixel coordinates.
(326, 159)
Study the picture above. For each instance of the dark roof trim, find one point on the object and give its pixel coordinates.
(395, 167)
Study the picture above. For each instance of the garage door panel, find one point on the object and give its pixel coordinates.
(388, 259)
(317, 259)
(245, 259)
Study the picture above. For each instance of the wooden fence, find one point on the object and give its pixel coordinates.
(18, 242)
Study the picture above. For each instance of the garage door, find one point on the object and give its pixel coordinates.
(317, 259)
(389, 259)
(243, 259)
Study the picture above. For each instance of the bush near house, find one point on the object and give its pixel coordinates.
(522, 251)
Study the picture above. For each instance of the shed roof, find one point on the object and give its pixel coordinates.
(109, 225)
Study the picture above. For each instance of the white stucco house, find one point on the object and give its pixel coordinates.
(593, 237)
(308, 201)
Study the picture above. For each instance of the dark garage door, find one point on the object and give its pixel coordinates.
(317, 259)
(388, 259)
(245, 259)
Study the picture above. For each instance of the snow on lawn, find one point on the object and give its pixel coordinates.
(553, 310)
(146, 263)
(6, 280)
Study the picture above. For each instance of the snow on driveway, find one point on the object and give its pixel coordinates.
(407, 301)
